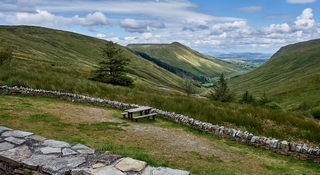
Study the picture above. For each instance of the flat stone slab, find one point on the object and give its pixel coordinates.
(38, 160)
(161, 171)
(16, 133)
(82, 149)
(55, 144)
(15, 140)
(50, 150)
(62, 165)
(18, 154)
(37, 138)
(2, 128)
(129, 164)
(107, 170)
(82, 171)
(6, 146)
(98, 165)
(68, 151)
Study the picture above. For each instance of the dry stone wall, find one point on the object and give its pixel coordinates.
(298, 150)
(23, 153)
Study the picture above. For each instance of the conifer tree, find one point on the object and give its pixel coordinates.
(221, 91)
(112, 68)
(247, 98)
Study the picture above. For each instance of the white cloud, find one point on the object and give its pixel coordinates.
(97, 18)
(173, 10)
(301, 1)
(132, 25)
(48, 19)
(305, 21)
(39, 18)
(277, 28)
(100, 35)
(249, 9)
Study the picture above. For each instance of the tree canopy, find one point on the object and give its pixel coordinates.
(221, 91)
(112, 68)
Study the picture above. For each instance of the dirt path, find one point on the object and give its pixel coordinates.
(173, 140)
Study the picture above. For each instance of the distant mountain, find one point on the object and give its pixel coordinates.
(246, 56)
(182, 60)
(291, 76)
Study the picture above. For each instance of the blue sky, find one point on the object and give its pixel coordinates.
(204, 25)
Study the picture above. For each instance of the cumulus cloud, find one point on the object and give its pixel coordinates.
(94, 19)
(39, 18)
(100, 35)
(305, 21)
(301, 1)
(276, 28)
(132, 25)
(46, 18)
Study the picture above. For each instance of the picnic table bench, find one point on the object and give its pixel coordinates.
(142, 110)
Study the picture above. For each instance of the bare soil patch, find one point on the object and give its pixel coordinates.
(175, 141)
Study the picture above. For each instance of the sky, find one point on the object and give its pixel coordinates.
(203, 25)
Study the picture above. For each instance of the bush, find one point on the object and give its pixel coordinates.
(273, 105)
(247, 98)
(316, 112)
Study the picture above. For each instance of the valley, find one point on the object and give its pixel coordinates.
(63, 61)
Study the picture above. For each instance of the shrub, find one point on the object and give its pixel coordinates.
(247, 98)
(273, 105)
(316, 112)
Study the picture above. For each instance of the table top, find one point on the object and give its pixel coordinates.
(143, 108)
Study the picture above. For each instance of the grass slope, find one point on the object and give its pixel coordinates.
(180, 56)
(64, 56)
(35, 54)
(291, 76)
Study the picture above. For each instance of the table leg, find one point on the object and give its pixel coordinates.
(130, 115)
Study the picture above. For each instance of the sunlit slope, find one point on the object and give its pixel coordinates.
(182, 57)
(291, 76)
(45, 51)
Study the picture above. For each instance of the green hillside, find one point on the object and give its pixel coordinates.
(44, 55)
(62, 61)
(291, 77)
(185, 59)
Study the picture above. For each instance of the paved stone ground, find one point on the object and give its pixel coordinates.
(25, 153)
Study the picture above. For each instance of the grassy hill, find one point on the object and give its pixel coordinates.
(49, 59)
(62, 61)
(183, 58)
(291, 77)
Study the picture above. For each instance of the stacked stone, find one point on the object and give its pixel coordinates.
(23, 153)
(300, 151)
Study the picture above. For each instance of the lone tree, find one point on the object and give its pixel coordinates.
(112, 69)
(188, 87)
(5, 54)
(221, 91)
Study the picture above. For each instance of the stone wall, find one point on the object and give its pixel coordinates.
(23, 153)
(298, 150)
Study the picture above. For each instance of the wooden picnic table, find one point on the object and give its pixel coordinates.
(143, 110)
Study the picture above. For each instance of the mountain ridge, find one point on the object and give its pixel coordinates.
(290, 76)
(184, 58)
